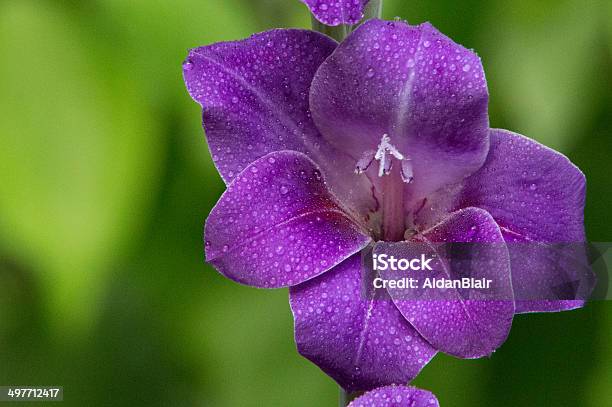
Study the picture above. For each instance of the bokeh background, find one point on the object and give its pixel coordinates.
(105, 182)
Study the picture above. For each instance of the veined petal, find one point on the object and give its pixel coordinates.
(536, 195)
(396, 396)
(335, 12)
(360, 342)
(427, 93)
(254, 94)
(254, 98)
(277, 225)
(467, 323)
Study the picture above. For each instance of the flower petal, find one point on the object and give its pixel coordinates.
(360, 342)
(414, 84)
(335, 12)
(254, 97)
(396, 396)
(464, 323)
(254, 94)
(277, 225)
(536, 195)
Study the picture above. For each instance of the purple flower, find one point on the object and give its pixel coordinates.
(379, 142)
(396, 396)
(335, 12)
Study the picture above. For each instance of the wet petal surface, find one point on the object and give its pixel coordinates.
(396, 396)
(536, 195)
(361, 342)
(335, 12)
(254, 97)
(467, 323)
(277, 225)
(254, 94)
(427, 93)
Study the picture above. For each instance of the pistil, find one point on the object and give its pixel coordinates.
(393, 220)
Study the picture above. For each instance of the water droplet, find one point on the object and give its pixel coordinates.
(466, 67)
(426, 44)
(284, 190)
(370, 73)
(188, 65)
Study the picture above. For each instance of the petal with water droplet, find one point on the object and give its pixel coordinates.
(536, 195)
(433, 114)
(467, 323)
(255, 92)
(287, 228)
(361, 341)
(254, 96)
(335, 12)
(396, 396)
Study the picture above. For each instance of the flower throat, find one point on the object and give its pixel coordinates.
(393, 179)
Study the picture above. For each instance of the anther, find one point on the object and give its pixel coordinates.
(385, 154)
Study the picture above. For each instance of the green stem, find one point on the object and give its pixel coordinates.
(373, 10)
(343, 398)
(339, 32)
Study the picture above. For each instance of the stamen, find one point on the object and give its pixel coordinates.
(407, 174)
(385, 154)
(364, 162)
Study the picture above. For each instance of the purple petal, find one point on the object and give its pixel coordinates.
(414, 84)
(464, 323)
(254, 95)
(335, 12)
(549, 277)
(396, 396)
(360, 342)
(277, 225)
(536, 195)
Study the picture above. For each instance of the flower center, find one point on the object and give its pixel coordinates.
(391, 187)
(386, 154)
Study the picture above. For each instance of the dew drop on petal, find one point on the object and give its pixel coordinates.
(188, 65)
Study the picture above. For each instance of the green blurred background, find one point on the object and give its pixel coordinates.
(105, 182)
